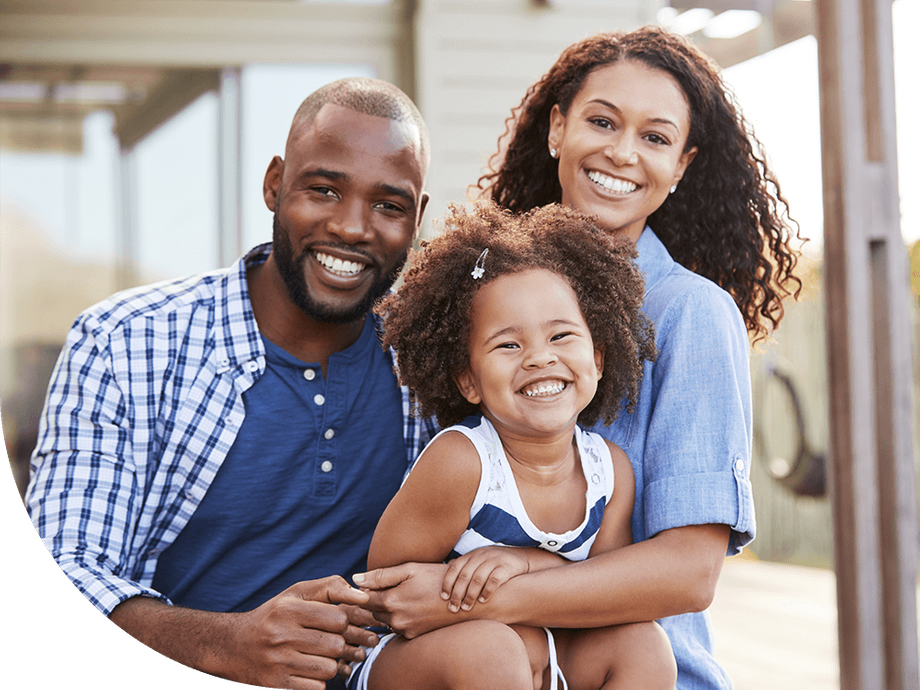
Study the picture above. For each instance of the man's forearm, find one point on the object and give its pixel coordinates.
(201, 639)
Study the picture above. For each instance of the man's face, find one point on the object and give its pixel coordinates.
(347, 203)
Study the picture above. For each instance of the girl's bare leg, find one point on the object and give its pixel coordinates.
(621, 657)
(475, 655)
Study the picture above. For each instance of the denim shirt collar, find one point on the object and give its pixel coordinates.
(654, 260)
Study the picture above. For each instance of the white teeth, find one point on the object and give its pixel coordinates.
(338, 266)
(612, 184)
(549, 388)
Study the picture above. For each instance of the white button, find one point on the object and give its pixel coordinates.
(552, 543)
(252, 366)
(329, 434)
(739, 464)
(319, 399)
(326, 466)
(224, 362)
(309, 375)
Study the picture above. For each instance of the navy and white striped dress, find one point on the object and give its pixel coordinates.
(498, 517)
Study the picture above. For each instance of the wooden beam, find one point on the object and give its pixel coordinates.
(873, 483)
(199, 33)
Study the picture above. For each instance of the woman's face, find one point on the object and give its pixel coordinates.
(621, 145)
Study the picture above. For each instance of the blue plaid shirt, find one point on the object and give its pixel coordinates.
(143, 406)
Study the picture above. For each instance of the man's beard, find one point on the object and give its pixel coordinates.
(291, 269)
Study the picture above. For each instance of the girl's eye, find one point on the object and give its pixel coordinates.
(601, 122)
(507, 346)
(559, 336)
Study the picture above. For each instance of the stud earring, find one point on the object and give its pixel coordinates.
(673, 188)
(553, 153)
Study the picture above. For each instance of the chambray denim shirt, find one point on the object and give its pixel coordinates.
(143, 406)
(689, 438)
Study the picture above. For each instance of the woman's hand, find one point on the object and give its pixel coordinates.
(407, 598)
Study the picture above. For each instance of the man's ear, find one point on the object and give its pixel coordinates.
(464, 381)
(271, 185)
(423, 204)
(599, 363)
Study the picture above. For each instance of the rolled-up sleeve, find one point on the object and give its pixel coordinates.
(84, 496)
(698, 445)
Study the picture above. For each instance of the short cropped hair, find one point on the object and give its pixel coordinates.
(370, 97)
(427, 322)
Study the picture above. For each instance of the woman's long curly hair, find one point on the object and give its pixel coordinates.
(727, 221)
(427, 321)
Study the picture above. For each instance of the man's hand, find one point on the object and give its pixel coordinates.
(408, 598)
(298, 639)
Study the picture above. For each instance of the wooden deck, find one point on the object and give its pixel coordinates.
(776, 626)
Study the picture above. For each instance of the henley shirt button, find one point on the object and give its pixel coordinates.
(329, 434)
(309, 375)
(739, 464)
(326, 466)
(319, 399)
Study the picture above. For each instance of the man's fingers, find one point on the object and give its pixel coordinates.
(382, 578)
(329, 590)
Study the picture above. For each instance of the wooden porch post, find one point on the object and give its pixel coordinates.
(873, 486)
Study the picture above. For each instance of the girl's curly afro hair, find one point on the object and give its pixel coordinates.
(727, 221)
(427, 321)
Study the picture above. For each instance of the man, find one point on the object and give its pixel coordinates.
(227, 442)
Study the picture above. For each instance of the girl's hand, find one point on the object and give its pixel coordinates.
(475, 576)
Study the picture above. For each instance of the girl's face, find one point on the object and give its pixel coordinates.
(621, 145)
(533, 364)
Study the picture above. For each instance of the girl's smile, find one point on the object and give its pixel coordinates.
(533, 365)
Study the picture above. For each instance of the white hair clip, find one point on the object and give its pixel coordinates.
(479, 269)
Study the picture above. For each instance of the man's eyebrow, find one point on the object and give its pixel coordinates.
(393, 190)
(338, 175)
(323, 172)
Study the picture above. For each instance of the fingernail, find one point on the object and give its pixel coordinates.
(466, 607)
(453, 608)
(358, 577)
(445, 596)
(482, 600)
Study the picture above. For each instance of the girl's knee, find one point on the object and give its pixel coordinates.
(495, 656)
(647, 650)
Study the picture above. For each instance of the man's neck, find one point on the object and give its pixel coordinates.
(288, 327)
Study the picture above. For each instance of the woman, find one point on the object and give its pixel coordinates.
(638, 130)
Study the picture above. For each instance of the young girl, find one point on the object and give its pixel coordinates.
(512, 329)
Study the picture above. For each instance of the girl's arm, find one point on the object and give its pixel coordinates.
(432, 508)
(616, 527)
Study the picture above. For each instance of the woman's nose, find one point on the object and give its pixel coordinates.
(623, 151)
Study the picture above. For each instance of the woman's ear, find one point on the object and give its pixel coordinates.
(599, 363)
(467, 387)
(556, 129)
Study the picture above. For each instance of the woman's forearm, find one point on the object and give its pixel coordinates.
(675, 572)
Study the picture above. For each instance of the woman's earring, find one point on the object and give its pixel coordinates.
(673, 188)
(553, 153)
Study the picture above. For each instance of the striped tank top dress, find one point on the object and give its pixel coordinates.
(498, 517)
